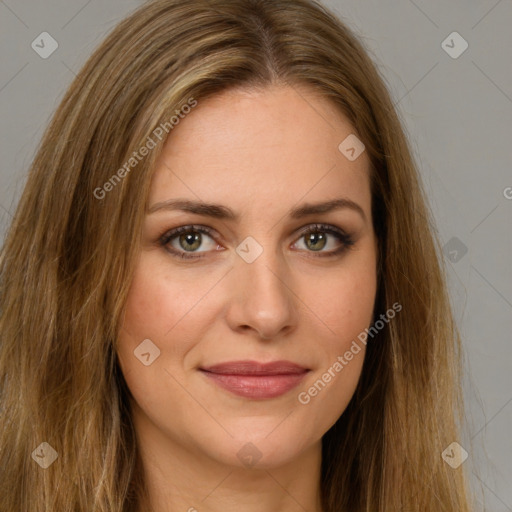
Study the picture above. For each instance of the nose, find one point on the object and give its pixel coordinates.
(261, 297)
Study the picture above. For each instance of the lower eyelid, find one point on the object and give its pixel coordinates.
(340, 238)
(343, 238)
(196, 255)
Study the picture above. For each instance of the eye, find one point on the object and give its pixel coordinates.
(185, 241)
(317, 237)
(188, 239)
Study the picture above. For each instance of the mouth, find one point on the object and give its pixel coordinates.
(255, 380)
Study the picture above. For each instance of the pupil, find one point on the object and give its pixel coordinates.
(190, 239)
(315, 237)
(194, 240)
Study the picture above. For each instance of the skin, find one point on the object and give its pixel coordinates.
(259, 153)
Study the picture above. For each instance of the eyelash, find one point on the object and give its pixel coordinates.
(343, 237)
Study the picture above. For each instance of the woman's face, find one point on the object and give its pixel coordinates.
(255, 288)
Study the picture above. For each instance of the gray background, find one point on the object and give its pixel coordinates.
(458, 115)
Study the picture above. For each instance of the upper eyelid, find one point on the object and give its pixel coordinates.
(172, 233)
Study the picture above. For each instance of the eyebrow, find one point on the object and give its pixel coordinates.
(219, 211)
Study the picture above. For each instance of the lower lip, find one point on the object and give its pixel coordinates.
(256, 386)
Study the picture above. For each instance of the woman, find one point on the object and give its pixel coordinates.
(221, 287)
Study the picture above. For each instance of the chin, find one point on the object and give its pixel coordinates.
(261, 447)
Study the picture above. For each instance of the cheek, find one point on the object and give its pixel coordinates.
(170, 309)
(344, 304)
(159, 303)
(153, 307)
(343, 309)
(347, 311)
(150, 311)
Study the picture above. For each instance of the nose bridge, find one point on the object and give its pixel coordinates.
(261, 289)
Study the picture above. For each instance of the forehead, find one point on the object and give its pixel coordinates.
(267, 145)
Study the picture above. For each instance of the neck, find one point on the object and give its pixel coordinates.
(181, 480)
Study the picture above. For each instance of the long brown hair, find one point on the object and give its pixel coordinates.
(68, 258)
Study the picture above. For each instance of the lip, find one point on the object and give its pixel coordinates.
(252, 379)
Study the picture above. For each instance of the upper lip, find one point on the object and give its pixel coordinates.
(256, 368)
